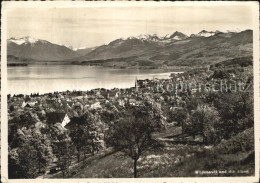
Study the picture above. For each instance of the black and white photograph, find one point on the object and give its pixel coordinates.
(131, 90)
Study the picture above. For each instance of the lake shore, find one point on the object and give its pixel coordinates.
(48, 78)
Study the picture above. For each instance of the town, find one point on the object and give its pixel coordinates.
(200, 111)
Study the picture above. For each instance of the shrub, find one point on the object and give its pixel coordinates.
(244, 142)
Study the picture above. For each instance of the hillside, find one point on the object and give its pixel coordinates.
(14, 59)
(186, 51)
(119, 48)
(169, 161)
(179, 132)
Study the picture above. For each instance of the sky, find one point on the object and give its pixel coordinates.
(95, 26)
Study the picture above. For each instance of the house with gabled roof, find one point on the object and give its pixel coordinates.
(28, 104)
(55, 117)
(75, 121)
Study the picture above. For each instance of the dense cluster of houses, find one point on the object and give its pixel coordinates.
(59, 107)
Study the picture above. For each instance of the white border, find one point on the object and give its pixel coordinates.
(77, 4)
(4, 123)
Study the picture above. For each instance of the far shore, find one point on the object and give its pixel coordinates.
(45, 63)
(16, 64)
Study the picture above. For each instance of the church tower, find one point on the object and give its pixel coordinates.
(136, 84)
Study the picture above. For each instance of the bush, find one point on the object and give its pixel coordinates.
(22, 162)
(244, 142)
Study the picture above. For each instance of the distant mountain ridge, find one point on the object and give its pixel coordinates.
(39, 50)
(148, 50)
(167, 38)
(205, 33)
(205, 45)
(25, 40)
(84, 51)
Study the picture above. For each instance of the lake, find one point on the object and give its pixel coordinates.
(50, 78)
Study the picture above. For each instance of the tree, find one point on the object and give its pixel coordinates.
(77, 135)
(63, 148)
(11, 108)
(94, 132)
(28, 119)
(38, 156)
(205, 121)
(212, 122)
(236, 112)
(132, 134)
(64, 154)
(192, 103)
(180, 116)
(86, 134)
(22, 162)
(109, 115)
(43, 149)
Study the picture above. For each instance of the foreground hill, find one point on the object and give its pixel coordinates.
(172, 161)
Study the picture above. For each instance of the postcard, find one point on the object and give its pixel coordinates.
(130, 92)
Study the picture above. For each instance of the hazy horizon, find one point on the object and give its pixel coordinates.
(94, 26)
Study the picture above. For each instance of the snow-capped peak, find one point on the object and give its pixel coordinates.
(205, 33)
(164, 39)
(143, 37)
(23, 40)
(167, 36)
(148, 37)
(178, 36)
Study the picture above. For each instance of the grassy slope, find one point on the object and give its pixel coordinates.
(170, 160)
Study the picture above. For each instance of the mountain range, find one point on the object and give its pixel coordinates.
(145, 50)
(36, 49)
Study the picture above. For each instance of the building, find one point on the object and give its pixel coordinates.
(95, 105)
(55, 117)
(28, 104)
(75, 121)
(113, 94)
(136, 84)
